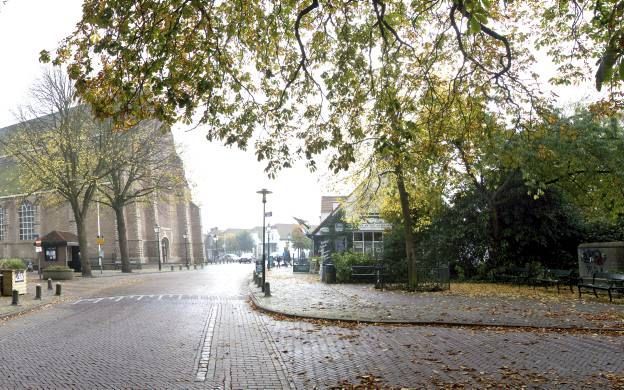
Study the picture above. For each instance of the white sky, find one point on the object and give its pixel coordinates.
(224, 181)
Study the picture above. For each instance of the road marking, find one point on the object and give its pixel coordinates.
(162, 297)
(202, 368)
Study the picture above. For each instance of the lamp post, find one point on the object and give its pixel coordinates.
(288, 247)
(269, 244)
(157, 231)
(264, 193)
(185, 235)
(215, 249)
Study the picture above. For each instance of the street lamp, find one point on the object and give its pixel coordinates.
(157, 231)
(185, 235)
(288, 247)
(215, 249)
(264, 193)
(269, 244)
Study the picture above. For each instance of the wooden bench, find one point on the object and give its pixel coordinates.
(133, 264)
(556, 277)
(603, 281)
(376, 272)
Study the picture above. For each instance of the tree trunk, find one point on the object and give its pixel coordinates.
(494, 234)
(123, 238)
(410, 252)
(85, 264)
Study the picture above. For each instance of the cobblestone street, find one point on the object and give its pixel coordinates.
(196, 329)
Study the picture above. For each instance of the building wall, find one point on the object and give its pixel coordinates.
(140, 221)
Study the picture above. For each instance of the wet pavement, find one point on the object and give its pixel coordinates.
(304, 295)
(197, 330)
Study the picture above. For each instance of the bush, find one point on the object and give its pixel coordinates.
(58, 268)
(344, 261)
(12, 264)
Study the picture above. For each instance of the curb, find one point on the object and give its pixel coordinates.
(8, 316)
(267, 309)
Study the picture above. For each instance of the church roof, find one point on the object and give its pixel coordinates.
(56, 237)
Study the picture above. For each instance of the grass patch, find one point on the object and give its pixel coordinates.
(514, 291)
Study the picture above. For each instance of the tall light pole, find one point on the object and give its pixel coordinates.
(185, 235)
(215, 254)
(288, 238)
(269, 244)
(264, 193)
(157, 231)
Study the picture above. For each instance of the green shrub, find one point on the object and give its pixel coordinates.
(344, 261)
(12, 264)
(58, 268)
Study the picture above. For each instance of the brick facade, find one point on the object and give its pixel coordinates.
(140, 222)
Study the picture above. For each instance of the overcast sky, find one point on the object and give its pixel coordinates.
(224, 181)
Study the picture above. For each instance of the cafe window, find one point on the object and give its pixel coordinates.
(368, 242)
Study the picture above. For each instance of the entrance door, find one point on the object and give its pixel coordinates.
(75, 259)
(165, 249)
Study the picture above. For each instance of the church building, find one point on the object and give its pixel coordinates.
(164, 225)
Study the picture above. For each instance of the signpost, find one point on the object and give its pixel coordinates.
(38, 249)
(100, 241)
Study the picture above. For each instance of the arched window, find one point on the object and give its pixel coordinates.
(2, 224)
(27, 221)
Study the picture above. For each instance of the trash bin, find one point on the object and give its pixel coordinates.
(329, 273)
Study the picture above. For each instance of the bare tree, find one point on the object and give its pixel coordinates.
(59, 148)
(141, 162)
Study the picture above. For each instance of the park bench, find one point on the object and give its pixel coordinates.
(374, 272)
(133, 264)
(603, 281)
(556, 277)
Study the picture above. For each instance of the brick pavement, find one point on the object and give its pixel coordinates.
(320, 356)
(303, 295)
(196, 330)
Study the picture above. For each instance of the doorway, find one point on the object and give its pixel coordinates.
(75, 259)
(165, 249)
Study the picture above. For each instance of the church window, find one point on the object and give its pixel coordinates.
(2, 224)
(27, 221)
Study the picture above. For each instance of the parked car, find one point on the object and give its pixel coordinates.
(229, 257)
(246, 258)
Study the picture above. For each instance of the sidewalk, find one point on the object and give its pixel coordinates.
(303, 295)
(78, 287)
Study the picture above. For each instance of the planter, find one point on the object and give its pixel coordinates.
(13, 279)
(58, 274)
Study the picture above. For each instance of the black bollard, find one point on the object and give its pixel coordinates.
(49, 283)
(15, 299)
(267, 289)
(58, 289)
(188, 267)
(194, 266)
(172, 268)
(180, 268)
(38, 292)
